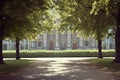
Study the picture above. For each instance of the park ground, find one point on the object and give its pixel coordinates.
(60, 69)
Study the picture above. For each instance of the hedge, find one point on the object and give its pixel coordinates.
(58, 53)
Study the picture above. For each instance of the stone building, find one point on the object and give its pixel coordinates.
(58, 41)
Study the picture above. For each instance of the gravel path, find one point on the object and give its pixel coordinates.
(60, 69)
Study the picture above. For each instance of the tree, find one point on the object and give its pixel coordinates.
(99, 33)
(3, 20)
(110, 7)
(24, 29)
(78, 15)
(13, 21)
(30, 26)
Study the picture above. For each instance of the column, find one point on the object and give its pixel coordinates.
(45, 40)
(20, 45)
(10, 45)
(108, 43)
(57, 47)
(24, 44)
(28, 46)
(80, 42)
(90, 43)
(93, 43)
(68, 40)
(7, 42)
(113, 43)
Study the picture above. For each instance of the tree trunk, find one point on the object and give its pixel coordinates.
(1, 46)
(117, 42)
(2, 27)
(17, 49)
(1, 53)
(100, 48)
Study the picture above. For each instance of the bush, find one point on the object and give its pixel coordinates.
(59, 53)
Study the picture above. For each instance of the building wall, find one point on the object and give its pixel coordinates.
(59, 41)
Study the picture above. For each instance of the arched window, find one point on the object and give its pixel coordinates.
(74, 45)
(51, 45)
(86, 43)
(39, 43)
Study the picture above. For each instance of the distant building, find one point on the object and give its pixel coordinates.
(59, 41)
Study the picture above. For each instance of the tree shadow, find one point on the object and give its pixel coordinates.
(62, 70)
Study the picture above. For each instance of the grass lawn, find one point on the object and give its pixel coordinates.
(12, 65)
(106, 64)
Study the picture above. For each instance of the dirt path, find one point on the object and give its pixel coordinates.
(60, 69)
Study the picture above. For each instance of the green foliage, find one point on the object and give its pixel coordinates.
(22, 18)
(76, 17)
(12, 65)
(108, 6)
(63, 53)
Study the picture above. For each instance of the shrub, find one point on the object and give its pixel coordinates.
(59, 53)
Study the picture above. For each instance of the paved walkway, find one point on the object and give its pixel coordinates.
(60, 69)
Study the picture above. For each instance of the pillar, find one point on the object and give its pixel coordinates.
(57, 47)
(45, 41)
(80, 42)
(28, 44)
(93, 43)
(68, 40)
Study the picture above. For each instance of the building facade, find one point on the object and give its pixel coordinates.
(59, 41)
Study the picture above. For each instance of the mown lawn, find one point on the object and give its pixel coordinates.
(12, 65)
(106, 64)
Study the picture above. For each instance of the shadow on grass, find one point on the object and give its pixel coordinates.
(12, 65)
(106, 64)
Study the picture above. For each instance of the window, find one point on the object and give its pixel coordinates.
(39, 43)
(86, 43)
(4, 46)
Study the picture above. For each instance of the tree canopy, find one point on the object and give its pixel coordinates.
(20, 19)
(75, 16)
(110, 7)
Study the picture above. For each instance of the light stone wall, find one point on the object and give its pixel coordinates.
(58, 41)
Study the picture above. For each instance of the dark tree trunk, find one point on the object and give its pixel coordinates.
(17, 49)
(1, 53)
(1, 46)
(100, 48)
(2, 27)
(117, 42)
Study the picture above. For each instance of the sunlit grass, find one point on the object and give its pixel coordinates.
(106, 64)
(12, 65)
